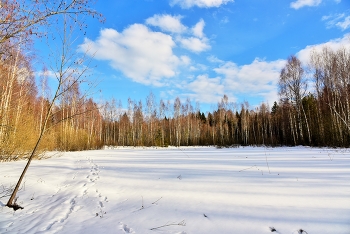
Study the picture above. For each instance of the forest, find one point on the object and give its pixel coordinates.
(313, 107)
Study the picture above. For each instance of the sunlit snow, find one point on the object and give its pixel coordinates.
(182, 190)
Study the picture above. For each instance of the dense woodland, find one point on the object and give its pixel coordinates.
(320, 117)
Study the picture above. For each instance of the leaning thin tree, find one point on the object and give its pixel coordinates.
(69, 72)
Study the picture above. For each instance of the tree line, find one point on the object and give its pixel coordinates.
(30, 110)
(300, 117)
(313, 107)
(313, 110)
(71, 120)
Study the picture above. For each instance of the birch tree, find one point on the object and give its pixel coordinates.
(293, 87)
(69, 72)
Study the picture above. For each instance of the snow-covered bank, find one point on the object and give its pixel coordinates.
(182, 190)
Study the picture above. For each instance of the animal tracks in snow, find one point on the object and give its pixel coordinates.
(94, 171)
(125, 228)
(64, 194)
(92, 179)
(64, 215)
(88, 193)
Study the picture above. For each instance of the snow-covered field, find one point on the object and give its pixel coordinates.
(182, 190)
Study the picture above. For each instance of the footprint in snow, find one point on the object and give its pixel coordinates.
(125, 228)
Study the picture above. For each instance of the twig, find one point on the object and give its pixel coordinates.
(142, 203)
(123, 201)
(331, 158)
(156, 201)
(182, 223)
(183, 152)
(267, 163)
(142, 206)
(7, 191)
(247, 168)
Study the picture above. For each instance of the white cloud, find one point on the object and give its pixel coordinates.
(205, 89)
(344, 24)
(193, 68)
(337, 20)
(186, 4)
(141, 54)
(255, 80)
(185, 60)
(46, 73)
(198, 67)
(225, 20)
(304, 54)
(258, 79)
(167, 23)
(302, 3)
(147, 56)
(192, 39)
(214, 59)
(195, 44)
(326, 17)
(198, 29)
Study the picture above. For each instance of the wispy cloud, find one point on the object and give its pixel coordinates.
(186, 4)
(205, 89)
(46, 73)
(303, 3)
(225, 20)
(341, 21)
(192, 39)
(167, 23)
(214, 59)
(344, 24)
(196, 41)
(304, 54)
(195, 44)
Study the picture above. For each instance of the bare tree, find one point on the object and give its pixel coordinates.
(69, 72)
(332, 79)
(17, 90)
(162, 110)
(21, 19)
(151, 115)
(293, 87)
(177, 119)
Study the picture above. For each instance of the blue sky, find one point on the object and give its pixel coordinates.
(203, 49)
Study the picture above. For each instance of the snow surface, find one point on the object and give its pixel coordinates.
(182, 190)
